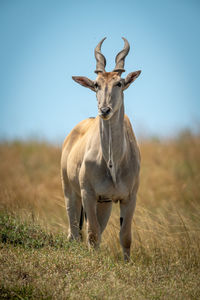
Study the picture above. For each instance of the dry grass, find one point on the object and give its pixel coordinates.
(165, 254)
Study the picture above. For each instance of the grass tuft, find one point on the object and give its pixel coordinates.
(27, 235)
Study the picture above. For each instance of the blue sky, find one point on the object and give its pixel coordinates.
(44, 43)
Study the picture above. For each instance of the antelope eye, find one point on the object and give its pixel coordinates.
(96, 85)
(119, 84)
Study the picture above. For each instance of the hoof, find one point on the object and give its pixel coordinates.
(72, 238)
(93, 241)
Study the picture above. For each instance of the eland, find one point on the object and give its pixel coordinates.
(100, 160)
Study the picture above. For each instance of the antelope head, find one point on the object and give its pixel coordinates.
(109, 86)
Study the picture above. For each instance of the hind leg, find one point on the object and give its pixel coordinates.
(73, 207)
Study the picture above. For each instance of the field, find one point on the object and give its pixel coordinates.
(36, 260)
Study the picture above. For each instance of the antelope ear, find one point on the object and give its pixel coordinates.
(84, 81)
(130, 78)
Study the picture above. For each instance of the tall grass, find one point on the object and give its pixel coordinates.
(166, 225)
(167, 215)
(30, 183)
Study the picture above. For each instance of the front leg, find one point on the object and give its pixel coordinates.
(126, 215)
(90, 207)
(103, 213)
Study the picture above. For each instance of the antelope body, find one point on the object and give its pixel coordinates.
(100, 158)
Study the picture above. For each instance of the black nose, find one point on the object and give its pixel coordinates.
(105, 110)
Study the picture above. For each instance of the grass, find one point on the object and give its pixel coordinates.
(36, 260)
(27, 235)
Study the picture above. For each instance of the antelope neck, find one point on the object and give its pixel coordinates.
(113, 141)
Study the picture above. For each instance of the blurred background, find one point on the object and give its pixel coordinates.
(44, 43)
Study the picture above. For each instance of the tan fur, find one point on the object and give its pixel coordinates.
(77, 174)
(100, 163)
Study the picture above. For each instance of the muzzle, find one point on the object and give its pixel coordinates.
(105, 111)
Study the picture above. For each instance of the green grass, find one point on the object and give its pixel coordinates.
(37, 265)
(27, 235)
